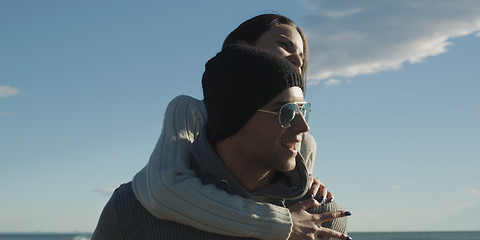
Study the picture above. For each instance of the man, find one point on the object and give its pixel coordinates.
(248, 147)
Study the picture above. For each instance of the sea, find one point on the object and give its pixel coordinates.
(470, 235)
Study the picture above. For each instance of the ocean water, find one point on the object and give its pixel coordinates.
(474, 235)
(45, 236)
(356, 236)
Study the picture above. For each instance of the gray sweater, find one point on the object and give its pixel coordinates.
(125, 218)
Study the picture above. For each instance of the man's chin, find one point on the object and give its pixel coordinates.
(289, 165)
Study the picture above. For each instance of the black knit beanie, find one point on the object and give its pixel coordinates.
(238, 81)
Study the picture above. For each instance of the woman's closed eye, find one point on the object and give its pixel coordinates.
(284, 45)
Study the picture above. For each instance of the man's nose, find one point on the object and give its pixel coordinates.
(299, 124)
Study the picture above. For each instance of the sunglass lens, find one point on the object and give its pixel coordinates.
(287, 114)
(306, 108)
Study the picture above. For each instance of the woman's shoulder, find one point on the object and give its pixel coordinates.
(186, 102)
(186, 99)
(308, 143)
(308, 150)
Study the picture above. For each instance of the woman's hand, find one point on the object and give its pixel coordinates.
(319, 191)
(308, 226)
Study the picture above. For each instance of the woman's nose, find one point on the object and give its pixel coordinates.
(296, 60)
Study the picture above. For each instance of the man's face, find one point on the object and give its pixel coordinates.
(265, 143)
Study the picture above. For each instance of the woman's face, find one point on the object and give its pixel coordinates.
(284, 41)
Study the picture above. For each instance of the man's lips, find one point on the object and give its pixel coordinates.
(292, 144)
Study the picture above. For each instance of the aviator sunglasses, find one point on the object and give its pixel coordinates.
(289, 111)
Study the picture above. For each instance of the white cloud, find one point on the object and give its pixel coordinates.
(397, 187)
(473, 192)
(7, 91)
(332, 82)
(351, 38)
(104, 191)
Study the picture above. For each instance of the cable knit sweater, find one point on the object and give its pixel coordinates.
(167, 184)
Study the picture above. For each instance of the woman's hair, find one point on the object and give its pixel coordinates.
(251, 30)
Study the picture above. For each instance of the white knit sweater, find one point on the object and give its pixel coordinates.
(166, 185)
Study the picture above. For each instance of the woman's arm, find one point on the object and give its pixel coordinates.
(169, 190)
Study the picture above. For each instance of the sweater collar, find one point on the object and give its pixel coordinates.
(210, 169)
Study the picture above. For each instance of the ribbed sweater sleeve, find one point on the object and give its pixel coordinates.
(169, 190)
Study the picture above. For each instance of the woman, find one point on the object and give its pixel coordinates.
(169, 190)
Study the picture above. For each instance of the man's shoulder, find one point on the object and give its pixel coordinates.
(135, 222)
(123, 198)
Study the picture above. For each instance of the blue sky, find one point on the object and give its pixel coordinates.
(393, 85)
